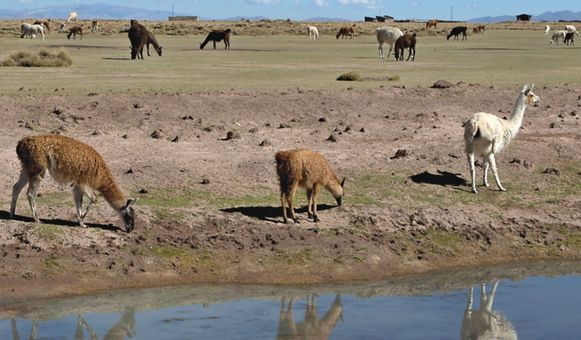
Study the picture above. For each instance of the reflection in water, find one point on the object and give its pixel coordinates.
(310, 327)
(484, 323)
(125, 327)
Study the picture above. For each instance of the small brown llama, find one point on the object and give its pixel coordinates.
(69, 161)
(307, 169)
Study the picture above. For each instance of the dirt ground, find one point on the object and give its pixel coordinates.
(208, 208)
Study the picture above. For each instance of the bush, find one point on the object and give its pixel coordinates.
(351, 76)
(43, 58)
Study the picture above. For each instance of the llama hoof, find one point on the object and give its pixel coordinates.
(297, 221)
(486, 185)
(502, 189)
(475, 191)
(316, 219)
(310, 215)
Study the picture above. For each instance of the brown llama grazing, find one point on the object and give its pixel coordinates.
(217, 36)
(479, 29)
(431, 23)
(456, 31)
(307, 169)
(405, 41)
(46, 23)
(151, 40)
(69, 161)
(346, 31)
(73, 31)
(94, 25)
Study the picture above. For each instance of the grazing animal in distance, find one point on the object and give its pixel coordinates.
(30, 31)
(571, 29)
(346, 31)
(69, 161)
(312, 32)
(306, 169)
(138, 37)
(217, 36)
(486, 135)
(484, 322)
(72, 17)
(45, 23)
(547, 29)
(387, 35)
(558, 35)
(94, 25)
(569, 39)
(151, 40)
(62, 27)
(431, 23)
(479, 29)
(405, 41)
(456, 31)
(73, 31)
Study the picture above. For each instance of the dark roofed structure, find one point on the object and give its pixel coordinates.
(523, 17)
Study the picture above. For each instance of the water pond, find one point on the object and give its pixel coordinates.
(533, 301)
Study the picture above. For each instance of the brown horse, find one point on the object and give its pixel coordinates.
(431, 23)
(346, 30)
(46, 23)
(479, 29)
(73, 31)
(217, 36)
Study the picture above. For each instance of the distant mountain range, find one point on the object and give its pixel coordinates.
(103, 11)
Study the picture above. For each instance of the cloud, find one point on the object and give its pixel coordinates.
(369, 4)
(319, 3)
(414, 3)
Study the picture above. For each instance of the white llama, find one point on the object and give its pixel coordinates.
(312, 32)
(485, 135)
(547, 29)
(387, 35)
(72, 17)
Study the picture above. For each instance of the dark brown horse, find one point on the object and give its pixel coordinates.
(217, 36)
(346, 30)
(456, 31)
(405, 41)
(140, 37)
(73, 31)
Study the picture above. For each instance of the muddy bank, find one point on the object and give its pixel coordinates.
(208, 208)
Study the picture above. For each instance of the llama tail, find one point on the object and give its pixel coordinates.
(471, 133)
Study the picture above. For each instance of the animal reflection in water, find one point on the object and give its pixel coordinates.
(124, 328)
(310, 327)
(484, 323)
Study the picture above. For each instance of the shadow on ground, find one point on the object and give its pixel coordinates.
(5, 216)
(443, 178)
(271, 214)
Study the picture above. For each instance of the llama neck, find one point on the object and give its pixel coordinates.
(113, 195)
(153, 41)
(516, 117)
(333, 186)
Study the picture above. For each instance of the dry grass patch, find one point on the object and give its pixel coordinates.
(43, 58)
(350, 76)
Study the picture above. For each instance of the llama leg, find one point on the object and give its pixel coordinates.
(492, 162)
(310, 200)
(31, 193)
(472, 172)
(16, 189)
(490, 298)
(92, 200)
(290, 197)
(78, 197)
(468, 311)
(316, 189)
(485, 174)
(283, 204)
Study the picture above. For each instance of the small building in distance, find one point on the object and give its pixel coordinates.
(183, 18)
(385, 18)
(523, 17)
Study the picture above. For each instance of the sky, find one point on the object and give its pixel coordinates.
(347, 9)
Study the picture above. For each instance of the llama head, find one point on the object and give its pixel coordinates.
(158, 50)
(338, 192)
(128, 215)
(531, 98)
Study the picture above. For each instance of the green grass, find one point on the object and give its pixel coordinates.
(499, 57)
(49, 231)
(50, 263)
(169, 198)
(167, 252)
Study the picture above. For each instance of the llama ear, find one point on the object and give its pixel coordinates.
(525, 89)
(130, 202)
(343, 182)
(531, 88)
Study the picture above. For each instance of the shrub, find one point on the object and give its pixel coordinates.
(351, 76)
(43, 58)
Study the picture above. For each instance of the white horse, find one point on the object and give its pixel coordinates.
(387, 35)
(72, 17)
(312, 32)
(547, 29)
(30, 31)
(571, 29)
